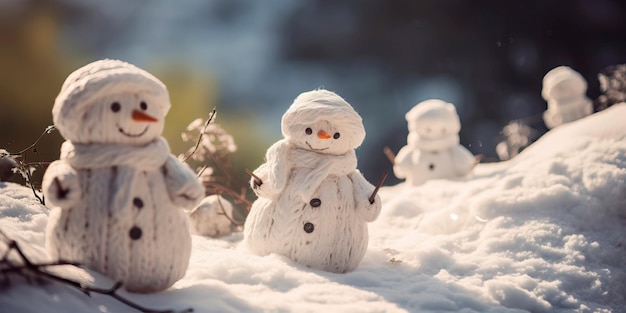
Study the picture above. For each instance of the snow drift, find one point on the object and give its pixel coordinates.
(543, 232)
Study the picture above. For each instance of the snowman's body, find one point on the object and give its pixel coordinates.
(433, 150)
(116, 194)
(146, 244)
(313, 204)
(564, 90)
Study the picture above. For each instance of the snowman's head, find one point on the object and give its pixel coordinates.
(563, 83)
(433, 119)
(322, 121)
(111, 101)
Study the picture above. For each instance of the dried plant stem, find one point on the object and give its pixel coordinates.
(48, 130)
(200, 137)
(24, 166)
(39, 271)
(239, 198)
(390, 155)
(219, 202)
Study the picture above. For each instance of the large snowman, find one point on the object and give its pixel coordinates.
(313, 204)
(564, 89)
(433, 149)
(117, 194)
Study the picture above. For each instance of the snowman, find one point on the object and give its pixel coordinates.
(117, 194)
(433, 149)
(564, 89)
(313, 204)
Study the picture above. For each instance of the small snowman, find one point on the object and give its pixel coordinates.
(564, 89)
(212, 217)
(314, 204)
(433, 150)
(117, 194)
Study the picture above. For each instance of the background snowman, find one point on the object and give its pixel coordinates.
(313, 204)
(433, 149)
(565, 91)
(116, 193)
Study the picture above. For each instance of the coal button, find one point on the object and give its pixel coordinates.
(135, 233)
(138, 203)
(315, 202)
(308, 227)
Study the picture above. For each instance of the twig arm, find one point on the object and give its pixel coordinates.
(380, 183)
(390, 155)
(257, 180)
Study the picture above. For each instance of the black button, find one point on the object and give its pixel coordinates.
(138, 203)
(135, 233)
(315, 202)
(431, 166)
(308, 227)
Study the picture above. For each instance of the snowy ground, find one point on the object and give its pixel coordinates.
(544, 232)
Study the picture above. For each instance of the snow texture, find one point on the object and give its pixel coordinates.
(543, 232)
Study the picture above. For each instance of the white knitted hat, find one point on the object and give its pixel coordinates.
(86, 85)
(434, 110)
(565, 79)
(312, 106)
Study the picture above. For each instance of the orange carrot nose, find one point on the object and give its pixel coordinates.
(323, 135)
(139, 116)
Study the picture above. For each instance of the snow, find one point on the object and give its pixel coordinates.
(543, 232)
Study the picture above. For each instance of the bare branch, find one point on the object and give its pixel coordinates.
(219, 202)
(48, 130)
(38, 269)
(200, 137)
(390, 155)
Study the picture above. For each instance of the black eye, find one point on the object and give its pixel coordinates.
(308, 131)
(336, 135)
(143, 105)
(116, 107)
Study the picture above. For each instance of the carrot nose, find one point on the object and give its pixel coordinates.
(323, 135)
(139, 116)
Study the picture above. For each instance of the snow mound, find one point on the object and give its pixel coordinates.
(543, 232)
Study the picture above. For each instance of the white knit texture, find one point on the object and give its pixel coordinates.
(313, 203)
(116, 193)
(433, 150)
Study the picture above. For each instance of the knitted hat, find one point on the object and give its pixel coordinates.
(312, 106)
(563, 78)
(85, 86)
(437, 111)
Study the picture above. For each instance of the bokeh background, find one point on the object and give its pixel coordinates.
(250, 59)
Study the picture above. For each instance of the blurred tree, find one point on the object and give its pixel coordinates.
(32, 69)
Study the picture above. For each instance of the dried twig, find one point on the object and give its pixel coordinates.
(200, 137)
(380, 183)
(23, 166)
(213, 187)
(390, 155)
(48, 130)
(219, 202)
(39, 271)
(257, 180)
